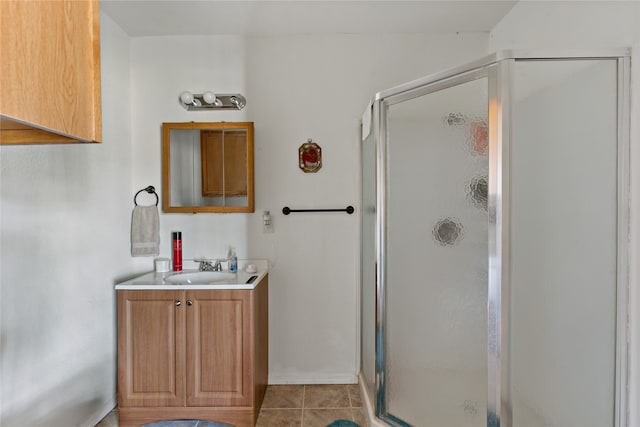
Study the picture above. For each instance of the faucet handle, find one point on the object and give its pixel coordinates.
(209, 264)
(205, 264)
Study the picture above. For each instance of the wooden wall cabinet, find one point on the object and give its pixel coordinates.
(50, 72)
(192, 354)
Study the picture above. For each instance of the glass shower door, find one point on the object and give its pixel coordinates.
(436, 252)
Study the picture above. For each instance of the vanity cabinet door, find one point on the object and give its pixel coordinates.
(219, 356)
(151, 343)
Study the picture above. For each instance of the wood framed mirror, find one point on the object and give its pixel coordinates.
(207, 167)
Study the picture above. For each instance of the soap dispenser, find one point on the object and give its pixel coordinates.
(233, 260)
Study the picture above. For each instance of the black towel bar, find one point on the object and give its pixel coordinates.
(349, 209)
(151, 190)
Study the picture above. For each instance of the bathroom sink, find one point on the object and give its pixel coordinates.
(201, 278)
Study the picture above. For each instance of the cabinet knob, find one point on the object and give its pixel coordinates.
(178, 303)
(189, 302)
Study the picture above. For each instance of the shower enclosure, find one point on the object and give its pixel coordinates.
(493, 244)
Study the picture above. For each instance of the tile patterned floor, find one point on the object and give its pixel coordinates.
(310, 405)
(299, 406)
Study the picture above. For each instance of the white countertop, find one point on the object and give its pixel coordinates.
(155, 281)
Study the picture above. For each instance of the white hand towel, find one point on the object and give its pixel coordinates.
(145, 231)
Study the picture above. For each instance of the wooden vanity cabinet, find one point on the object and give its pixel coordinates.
(192, 354)
(50, 72)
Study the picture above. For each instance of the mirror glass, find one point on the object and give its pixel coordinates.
(207, 167)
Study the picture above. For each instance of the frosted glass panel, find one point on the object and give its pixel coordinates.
(368, 263)
(437, 260)
(563, 243)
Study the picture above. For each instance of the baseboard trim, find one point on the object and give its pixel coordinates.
(277, 379)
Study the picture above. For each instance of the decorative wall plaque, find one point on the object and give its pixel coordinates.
(310, 157)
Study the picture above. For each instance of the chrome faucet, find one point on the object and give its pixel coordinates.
(210, 265)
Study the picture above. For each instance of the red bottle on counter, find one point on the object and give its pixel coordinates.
(176, 238)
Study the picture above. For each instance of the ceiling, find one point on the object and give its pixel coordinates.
(140, 18)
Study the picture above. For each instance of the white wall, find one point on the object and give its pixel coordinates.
(317, 87)
(567, 25)
(161, 68)
(585, 24)
(297, 87)
(65, 217)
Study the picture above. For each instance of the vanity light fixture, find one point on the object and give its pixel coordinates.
(210, 101)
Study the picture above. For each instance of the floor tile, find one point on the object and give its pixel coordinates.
(283, 396)
(326, 396)
(283, 407)
(324, 417)
(280, 418)
(359, 416)
(354, 395)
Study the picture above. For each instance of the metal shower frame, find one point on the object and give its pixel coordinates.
(499, 68)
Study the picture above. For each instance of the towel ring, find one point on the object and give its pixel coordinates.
(151, 190)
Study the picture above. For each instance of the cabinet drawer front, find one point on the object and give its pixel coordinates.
(151, 348)
(218, 349)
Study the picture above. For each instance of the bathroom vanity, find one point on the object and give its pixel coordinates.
(192, 351)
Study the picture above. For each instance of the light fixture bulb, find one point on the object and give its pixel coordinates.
(186, 97)
(209, 97)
